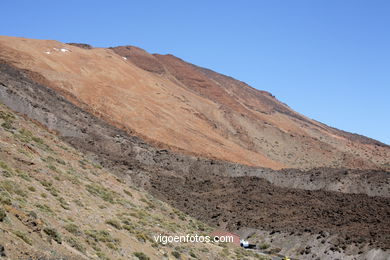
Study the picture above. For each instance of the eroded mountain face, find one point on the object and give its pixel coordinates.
(305, 214)
(188, 109)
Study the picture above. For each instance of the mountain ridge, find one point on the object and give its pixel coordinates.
(192, 110)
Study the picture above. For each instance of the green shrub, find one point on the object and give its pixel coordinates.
(33, 214)
(5, 166)
(78, 203)
(73, 229)
(63, 201)
(6, 116)
(101, 255)
(12, 188)
(3, 215)
(24, 176)
(100, 191)
(50, 188)
(112, 246)
(128, 193)
(74, 180)
(141, 236)
(52, 167)
(7, 125)
(130, 228)
(23, 236)
(115, 223)
(141, 256)
(97, 166)
(264, 246)
(176, 254)
(46, 183)
(4, 198)
(192, 254)
(44, 208)
(37, 140)
(100, 236)
(53, 233)
(8, 120)
(75, 243)
(7, 174)
(24, 135)
(53, 191)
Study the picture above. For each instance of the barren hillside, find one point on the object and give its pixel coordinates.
(324, 213)
(176, 105)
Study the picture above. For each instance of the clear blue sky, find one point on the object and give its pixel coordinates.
(327, 59)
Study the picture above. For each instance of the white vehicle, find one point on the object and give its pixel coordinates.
(244, 243)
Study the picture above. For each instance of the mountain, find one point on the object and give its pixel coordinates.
(118, 145)
(178, 106)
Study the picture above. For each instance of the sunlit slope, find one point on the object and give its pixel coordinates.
(177, 105)
(56, 203)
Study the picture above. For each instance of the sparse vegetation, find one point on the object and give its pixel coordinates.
(115, 223)
(33, 214)
(8, 119)
(5, 166)
(52, 167)
(128, 193)
(141, 256)
(12, 188)
(176, 254)
(73, 229)
(264, 246)
(75, 243)
(3, 214)
(23, 236)
(36, 188)
(78, 203)
(63, 203)
(50, 188)
(26, 136)
(53, 233)
(97, 166)
(44, 208)
(142, 236)
(4, 198)
(100, 236)
(100, 191)
(193, 255)
(24, 176)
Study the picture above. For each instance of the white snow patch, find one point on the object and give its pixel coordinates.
(124, 58)
(47, 52)
(64, 50)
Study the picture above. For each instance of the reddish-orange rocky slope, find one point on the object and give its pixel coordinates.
(188, 109)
